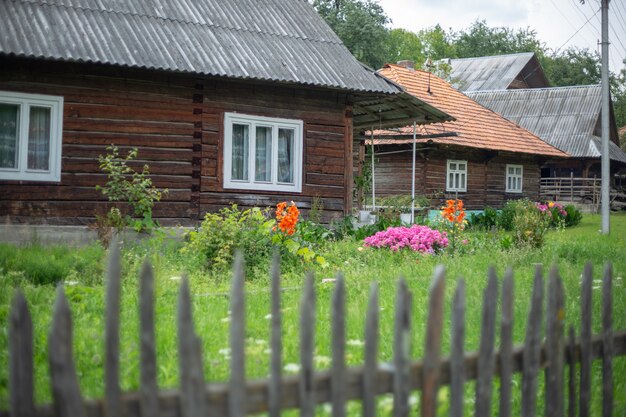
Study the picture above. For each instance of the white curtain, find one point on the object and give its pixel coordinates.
(39, 139)
(9, 122)
(240, 148)
(285, 155)
(263, 155)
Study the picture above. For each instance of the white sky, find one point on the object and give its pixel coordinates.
(555, 21)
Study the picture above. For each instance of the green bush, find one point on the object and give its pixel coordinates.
(486, 220)
(505, 219)
(220, 234)
(574, 216)
(529, 225)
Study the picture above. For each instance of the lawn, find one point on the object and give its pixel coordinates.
(569, 249)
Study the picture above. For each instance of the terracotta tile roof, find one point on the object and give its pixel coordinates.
(475, 126)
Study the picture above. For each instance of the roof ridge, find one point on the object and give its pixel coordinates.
(563, 87)
(181, 21)
(491, 56)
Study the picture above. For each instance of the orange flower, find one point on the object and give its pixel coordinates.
(287, 217)
(454, 211)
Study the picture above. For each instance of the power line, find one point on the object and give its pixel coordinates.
(575, 33)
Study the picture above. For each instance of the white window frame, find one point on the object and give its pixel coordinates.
(275, 124)
(450, 187)
(514, 176)
(26, 101)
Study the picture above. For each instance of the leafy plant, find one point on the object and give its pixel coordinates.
(220, 234)
(574, 216)
(124, 184)
(486, 220)
(529, 226)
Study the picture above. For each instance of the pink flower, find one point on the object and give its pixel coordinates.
(417, 238)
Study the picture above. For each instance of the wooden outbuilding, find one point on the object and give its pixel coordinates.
(480, 158)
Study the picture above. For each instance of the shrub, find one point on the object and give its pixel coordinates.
(417, 238)
(124, 184)
(511, 207)
(574, 216)
(529, 225)
(220, 234)
(486, 220)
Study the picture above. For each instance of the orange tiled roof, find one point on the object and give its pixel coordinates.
(475, 126)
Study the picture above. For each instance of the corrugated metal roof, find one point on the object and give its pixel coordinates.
(273, 40)
(487, 72)
(565, 117)
(475, 126)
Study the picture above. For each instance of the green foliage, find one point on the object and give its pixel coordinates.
(51, 265)
(486, 220)
(220, 234)
(505, 219)
(361, 25)
(574, 216)
(573, 66)
(529, 225)
(124, 184)
(481, 40)
(404, 44)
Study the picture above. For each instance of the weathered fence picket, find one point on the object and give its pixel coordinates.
(506, 344)
(370, 371)
(432, 348)
(457, 353)
(401, 351)
(21, 358)
(555, 316)
(276, 367)
(112, 390)
(486, 359)
(585, 343)
(340, 384)
(149, 390)
(607, 342)
(532, 348)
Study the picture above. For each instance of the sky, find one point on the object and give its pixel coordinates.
(555, 21)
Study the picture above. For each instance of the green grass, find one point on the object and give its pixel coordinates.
(569, 250)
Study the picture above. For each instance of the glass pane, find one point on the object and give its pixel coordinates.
(509, 183)
(452, 166)
(511, 170)
(239, 170)
(39, 138)
(519, 184)
(461, 167)
(518, 171)
(456, 181)
(9, 126)
(263, 157)
(285, 155)
(462, 181)
(450, 180)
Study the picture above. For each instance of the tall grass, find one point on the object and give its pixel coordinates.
(569, 249)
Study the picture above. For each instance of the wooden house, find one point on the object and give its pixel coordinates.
(227, 102)
(568, 118)
(481, 157)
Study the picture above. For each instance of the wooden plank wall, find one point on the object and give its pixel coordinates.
(176, 122)
(485, 178)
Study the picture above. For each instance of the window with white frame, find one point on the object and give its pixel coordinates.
(514, 178)
(262, 153)
(456, 179)
(30, 136)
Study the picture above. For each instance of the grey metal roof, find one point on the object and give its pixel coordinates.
(564, 117)
(273, 40)
(487, 72)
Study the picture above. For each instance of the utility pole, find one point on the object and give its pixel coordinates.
(606, 172)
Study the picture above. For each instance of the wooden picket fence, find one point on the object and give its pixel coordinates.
(336, 386)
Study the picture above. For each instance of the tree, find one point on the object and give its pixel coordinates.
(574, 66)
(438, 44)
(361, 26)
(403, 44)
(482, 40)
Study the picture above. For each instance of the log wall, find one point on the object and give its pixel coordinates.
(176, 122)
(486, 174)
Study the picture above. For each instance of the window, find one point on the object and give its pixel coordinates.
(262, 153)
(30, 137)
(456, 176)
(514, 175)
